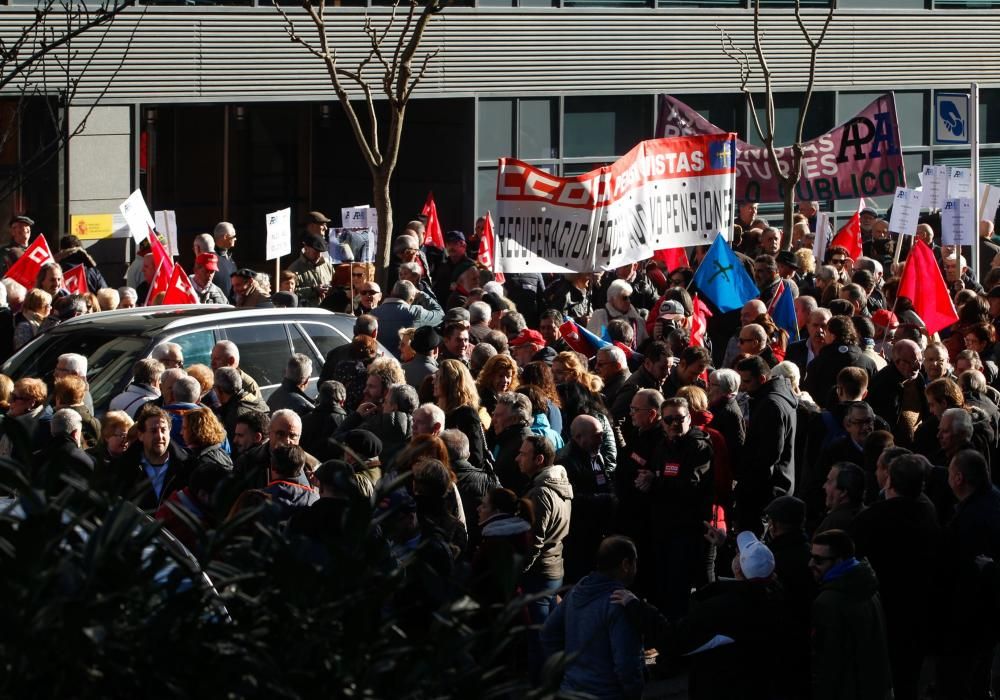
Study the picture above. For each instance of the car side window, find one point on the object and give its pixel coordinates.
(197, 347)
(264, 351)
(324, 337)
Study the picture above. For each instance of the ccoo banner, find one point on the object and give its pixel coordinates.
(860, 158)
(664, 193)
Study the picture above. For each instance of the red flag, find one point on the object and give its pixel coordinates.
(159, 253)
(180, 290)
(923, 284)
(75, 279)
(160, 283)
(487, 250)
(699, 321)
(849, 236)
(433, 235)
(672, 258)
(25, 270)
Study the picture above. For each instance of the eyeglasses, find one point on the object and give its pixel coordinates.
(639, 409)
(838, 261)
(674, 419)
(369, 292)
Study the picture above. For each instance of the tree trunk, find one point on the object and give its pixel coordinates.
(786, 238)
(383, 207)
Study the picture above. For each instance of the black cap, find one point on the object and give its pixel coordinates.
(317, 217)
(787, 510)
(454, 236)
(285, 300)
(425, 339)
(245, 272)
(316, 242)
(364, 443)
(494, 300)
(21, 220)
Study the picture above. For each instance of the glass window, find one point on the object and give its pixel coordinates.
(537, 133)
(989, 163)
(605, 126)
(197, 347)
(486, 187)
(989, 115)
(323, 336)
(264, 351)
(888, 4)
(496, 129)
(786, 120)
(701, 3)
(911, 112)
(606, 3)
(969, 4)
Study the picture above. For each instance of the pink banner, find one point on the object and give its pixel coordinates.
(860, 158)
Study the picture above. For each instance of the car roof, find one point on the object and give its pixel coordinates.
(154, 319)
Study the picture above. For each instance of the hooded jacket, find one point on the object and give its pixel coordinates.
(768, 454)
(505, 541)
(608, 313)
(606, 648)
(551, 494)
(289, 395)
(849, 657)
(133, 398)
(683, 489)
(289, 496)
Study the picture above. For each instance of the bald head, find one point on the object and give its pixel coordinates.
(587, 432)
(751, 310)
(907, 358)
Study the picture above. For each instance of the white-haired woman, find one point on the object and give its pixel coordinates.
(619, 306)
(790, 371)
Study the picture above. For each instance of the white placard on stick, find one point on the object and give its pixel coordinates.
(166, 223)
(905, 211)
(822, 236)
(957, 222)
(362, 216)
(960, 183)
(989, 199)
(279, 233)
(934, 180)
(137, 216)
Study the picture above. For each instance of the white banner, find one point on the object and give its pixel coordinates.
(137, 216)
(905, 211)
(822, 235)
(279, 233)
(166, 223)
(958, 225)
(664, 193)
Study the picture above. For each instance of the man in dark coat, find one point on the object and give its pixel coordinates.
(291, 394)
(900, 536)
(654, 370)
(508, 428)
(593, 496)
(152, 468)
(456, 262)
(234, 401)
(326, 419)
(841, 350)
(966, 630)
(888, 385)
(849, 655)
(63, 454)
(767, 469)
(680, 485)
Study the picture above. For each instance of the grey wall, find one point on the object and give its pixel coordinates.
(230, 54)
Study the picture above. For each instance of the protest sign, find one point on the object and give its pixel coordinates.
(362, 216)
(960, 183)
(989, 199)
(279, 233)
(934, 186)
(958, 225)
(905, 211)
(137, 216)
(664, 193)
(860, 158)
(166, 223)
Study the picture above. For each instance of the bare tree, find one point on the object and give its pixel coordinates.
(391, 56)
(42, 67)
(789, 178)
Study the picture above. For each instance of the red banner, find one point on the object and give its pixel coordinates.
(180, 290)
(860, 158)
(75, 279)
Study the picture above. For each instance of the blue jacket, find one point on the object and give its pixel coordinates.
(540, 426)
(395, 314)
(607, 647)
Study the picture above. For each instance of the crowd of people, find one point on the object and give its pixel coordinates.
(781, 513)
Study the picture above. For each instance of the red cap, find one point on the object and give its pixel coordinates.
(210, 261)
(528, 336)
(885, 319)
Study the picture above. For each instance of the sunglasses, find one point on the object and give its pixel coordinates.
(369, 292)
(674, 419)
(838, 261)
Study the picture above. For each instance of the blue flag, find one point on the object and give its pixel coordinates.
(783, 312)
(722, 278)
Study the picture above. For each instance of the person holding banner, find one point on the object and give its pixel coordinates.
(72, 253)
(20, 233)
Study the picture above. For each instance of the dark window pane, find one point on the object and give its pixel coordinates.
(197, 347)
(486, 189)
(911, 112)
(496, 129)
(605, 126)
(264, 351)
(818, 121)
(538, 136)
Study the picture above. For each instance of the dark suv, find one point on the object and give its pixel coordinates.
(112, 342)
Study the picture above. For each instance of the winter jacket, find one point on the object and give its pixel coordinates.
(133, 398)
(418, 369)
(540, 426)
(289, 395)
(125, 476)
(605, 648)
(239, 405)
(318, 425)
(395, 314)
(821, 375)
(309, 277)
(290, 496)
(849, 656)
(568, 299)
(551, 494)
(593, 512)
(504, 545)
(473, 485)
(71, 257)
(61, 456)
(603, 316)
(466, 419)
(683, 488)
(393, 429)
(211, 454)
(767, 467)
(504, 448)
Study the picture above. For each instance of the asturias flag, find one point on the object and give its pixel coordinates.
(722, 278)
